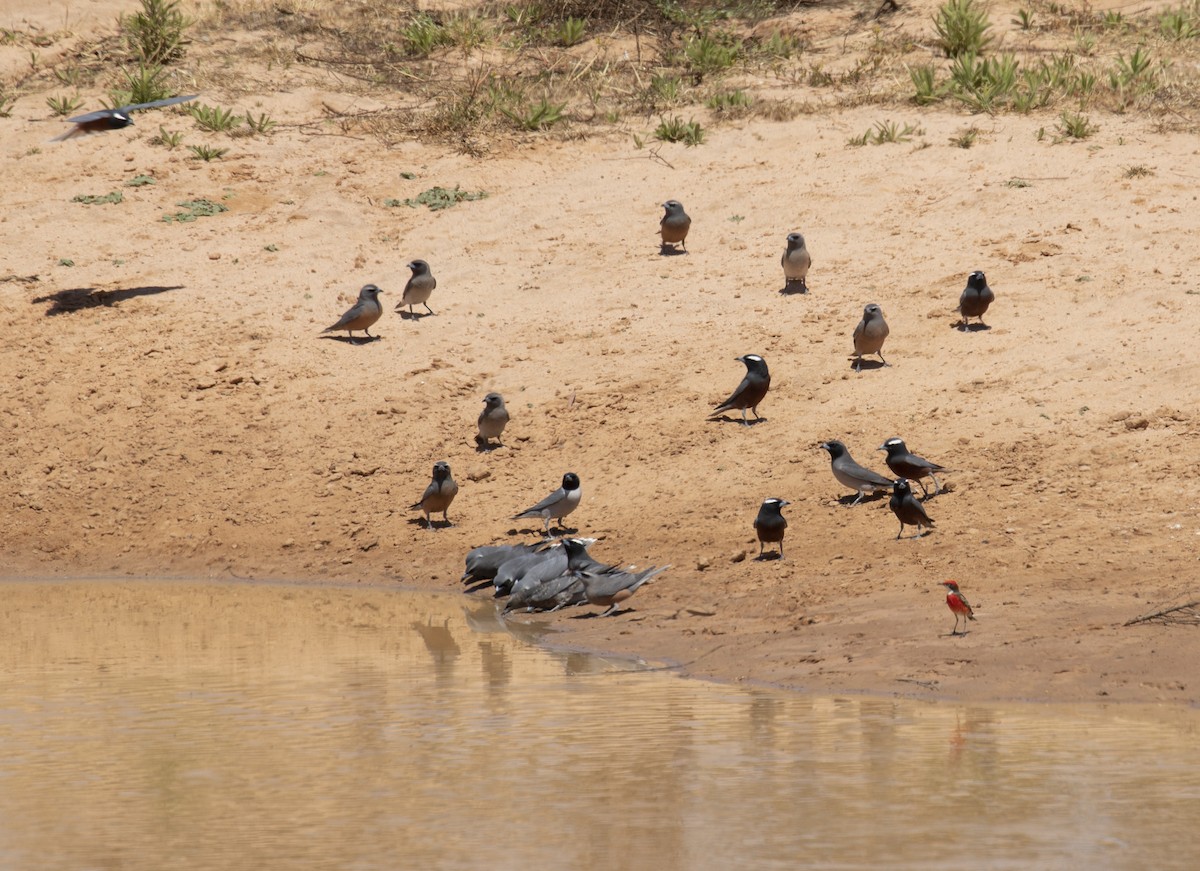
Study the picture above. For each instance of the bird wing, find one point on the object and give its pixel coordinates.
(431, 490)
(554, 498)
(170, 101)
(735, 396)
(862, 472)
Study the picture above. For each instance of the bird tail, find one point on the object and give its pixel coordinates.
(77, 130)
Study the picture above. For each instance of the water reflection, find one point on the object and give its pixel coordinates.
(174, 725)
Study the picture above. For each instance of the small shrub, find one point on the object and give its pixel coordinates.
(155, 34)
(1138, 171)
(1075, 126)
(423, 35)
(214, 118)
(537, 116)
(93, 200)
(169, 140)
(706, 54)
(962, 27)
(262, 125)
(63, 105)
(965, 139)
(193, 209)
(207, 152)
(143, 86)
(571, 31)
(438, 198)
(675, 129)
(729, 101)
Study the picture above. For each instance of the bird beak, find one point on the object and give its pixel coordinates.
(881, 448)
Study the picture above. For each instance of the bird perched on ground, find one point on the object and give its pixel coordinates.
(612, 588)
(906, 464)
(796, 262)
(362, 315)
(869, 335)
(438, 495)
(539, 566)
(958, 603)
(419, 288)
(851, 474)
(907, 509)
(103, 120)
(484, 562)
(975, 299)
(537, 590)
(492, 420)
(558, 504)
(770, 524)
(751, 391)
(674, 226)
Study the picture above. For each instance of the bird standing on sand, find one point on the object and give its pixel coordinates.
(492, 420)
(674, 226)
(771, 524)
(103, 120)
(362, 315)
(869, 335)
(796, 262)
(906, 464)
(751, 391)
(907, 509)
(419, 288)
(958, 603)
(613, 588)
(438, 495)
(851, 474)
(975, 299)
(558, 504)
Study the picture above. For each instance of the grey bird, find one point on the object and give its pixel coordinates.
(362, 314)
(492, 420)
(975, 299)
(869, 335)
(751, 391)
(539, 590)
(796, 262)
(906, 464)
(533, 568)
(438, 495)
(103, 120)
(907, 509)
(558, 504)
(770, 524)
(483, 562)
(419, 288)
(674, 226)
(851, 474)
(613, 588)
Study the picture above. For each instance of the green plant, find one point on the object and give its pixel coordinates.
(675, 129)
(925, 86)
(155, 34)
(962, 27)
(777, 46)
(423, 35)
(536, 116)
(262, 124)
(1113, 20)
(965, 139)
(140, 181)
(6, 102)
(93, 200)
(666, 88)
(207, 152)
(571, 31)
(63, 105)
(65, 261)
(143, 86)
(706, 54)
(438, 198)
(728, 101)
(885, 131)
(1075, 126)
(1138, 171)
(70, 75)
(1017, 182)
(214, 118)
(193, 209)
(1024, 19)
(170, 140)
(1179, 24)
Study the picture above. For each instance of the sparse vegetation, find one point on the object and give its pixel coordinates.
(962, 27)
(438, 198)
(63, 105)
(885, 131)
(140, 181)
(145, 85)
(677, 130)
(154, 35)
(1137, 171)
(261, 125)
(966, 138)
(94, 200)
(193, 209)
(207, 152)
(214, 118)
(167, 139)
(1074, 125)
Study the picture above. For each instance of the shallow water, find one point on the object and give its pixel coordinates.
(179, 725)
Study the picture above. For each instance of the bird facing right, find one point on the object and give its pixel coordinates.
(796, 262)
(492, 421)
(770, 524)
(362, 315)
(558, 504)
(959, 605)
(418, 289)
(907, 509)
(751, 391)
(438, 495)
(975, 299)
(869, 335)
(674, 226)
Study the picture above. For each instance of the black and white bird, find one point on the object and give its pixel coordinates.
(492, 421)
(770, 524)
(103, 120)
(796, 262)
(906, 464)
(558, 504)
(851, 474)
(362, 315)
(907, 509)
(869, 335)
(750, 392)
(975, 299)
(419, 288)
(674, 226)
(438, 495)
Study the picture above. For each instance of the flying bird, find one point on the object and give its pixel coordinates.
(492, 421)
(975, 299)
(103, 120)
(907, 509)
(438, 495)
(869, 335)
(796, 262)
(750, 392)
(958, 604)
(851, 474)
(362, 314)
(558, 504)
(674, 226)
(770, 524)
(906, 464)
(418, 289)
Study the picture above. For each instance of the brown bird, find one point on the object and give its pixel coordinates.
(362, 314)
(975, 299)
(674, 226)
(613, 588)
(796, 262)
(438, 495)
(869, 335)
(492, 420)
(419, 288)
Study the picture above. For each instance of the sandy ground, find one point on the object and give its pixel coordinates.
(172, 409)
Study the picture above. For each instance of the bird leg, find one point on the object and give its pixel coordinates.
(427, 308)
(937, 488)
(861, 494)
(924, 491)
(901, 532)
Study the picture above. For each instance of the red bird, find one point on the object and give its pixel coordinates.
(958, 603)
